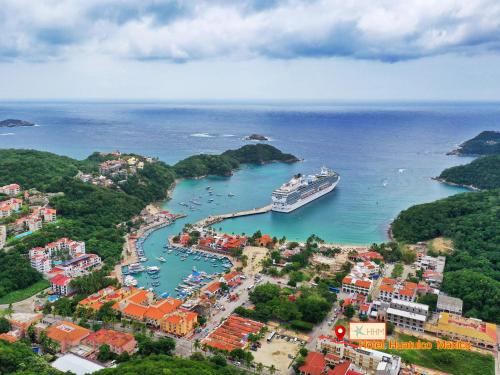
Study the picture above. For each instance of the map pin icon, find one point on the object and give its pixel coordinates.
(340, 332)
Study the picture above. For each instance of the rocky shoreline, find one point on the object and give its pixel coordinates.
(443, 181)
(15, 123)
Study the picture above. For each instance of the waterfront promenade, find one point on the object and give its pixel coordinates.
(210, 220)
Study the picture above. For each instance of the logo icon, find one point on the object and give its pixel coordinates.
(367, 331)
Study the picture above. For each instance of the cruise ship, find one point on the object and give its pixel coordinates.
(301, 190)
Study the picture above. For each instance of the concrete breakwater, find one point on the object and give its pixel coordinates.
(210, 220)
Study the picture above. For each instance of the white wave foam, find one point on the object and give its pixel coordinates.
(202, 135)
(7, 133)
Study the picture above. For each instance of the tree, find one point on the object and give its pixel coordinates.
(197, 344)
(4, 325)
(219, 360)
(272, 369)
(260, 367)
(105, 353)
(123, 357)
(390, 328)
(349, 311)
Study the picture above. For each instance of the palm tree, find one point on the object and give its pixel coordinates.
(197, 344)
(272, 369)
(260, 367)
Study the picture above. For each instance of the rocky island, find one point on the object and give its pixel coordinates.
(14, 123)
(485, 143)
(256, 137)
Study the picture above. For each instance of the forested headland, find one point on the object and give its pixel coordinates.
(485, 143)
(482, 173)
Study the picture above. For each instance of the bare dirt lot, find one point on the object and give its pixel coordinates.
(255, 256)
(276, 353)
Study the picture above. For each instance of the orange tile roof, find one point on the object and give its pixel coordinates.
(133, 309)
(153, 313)
(407, 292)
(67, 331)
(7, 337)
(231, 275)
(213, 287)
(386, 288)
(363, 283)
(410, 285)
(314, 365)
(346, 280)
(110, 337)
(168, 305)
(140, 297)
(389, 281)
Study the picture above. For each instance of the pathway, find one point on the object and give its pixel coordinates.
(212, 219)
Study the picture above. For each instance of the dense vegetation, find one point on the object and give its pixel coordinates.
(482, 173)
(18, 358)
(161, 364)
(486, 143)
(259, 154)
(34, 169)
(227, 162)
(301, 311)
(471, 221)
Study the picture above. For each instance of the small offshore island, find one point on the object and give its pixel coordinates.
(14, 123)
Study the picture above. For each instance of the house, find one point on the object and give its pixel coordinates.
(60, 285)
(67, 334)
(265, 240)
(118, 342)
(111, 166)
(49, 215)
(11, 189)
(393, 289)
(22, 321)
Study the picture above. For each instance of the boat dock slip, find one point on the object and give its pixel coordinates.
(210, 220)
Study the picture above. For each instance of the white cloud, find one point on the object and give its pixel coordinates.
(387, 30)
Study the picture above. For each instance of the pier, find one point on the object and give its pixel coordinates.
(210, 220)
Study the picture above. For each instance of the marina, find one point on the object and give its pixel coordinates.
(174, 271)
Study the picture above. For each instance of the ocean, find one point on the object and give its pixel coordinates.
(386, 154)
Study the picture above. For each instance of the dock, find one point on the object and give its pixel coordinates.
(210, 220)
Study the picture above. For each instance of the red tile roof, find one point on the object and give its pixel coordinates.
(340, 369)
(112, 338)
(60, 280)
(315, 364)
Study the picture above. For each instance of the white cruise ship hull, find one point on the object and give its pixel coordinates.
(291, 207)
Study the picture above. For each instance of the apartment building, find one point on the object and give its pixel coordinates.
(351, 284)
(404, 314)
(401, 290)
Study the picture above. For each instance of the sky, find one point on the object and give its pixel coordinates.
(250, 49)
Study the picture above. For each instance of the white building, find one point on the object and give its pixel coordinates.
(407, 315)
(11, 190)
(3, 236)
(351, 284)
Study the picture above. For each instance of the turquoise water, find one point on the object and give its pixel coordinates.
(174, 270)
